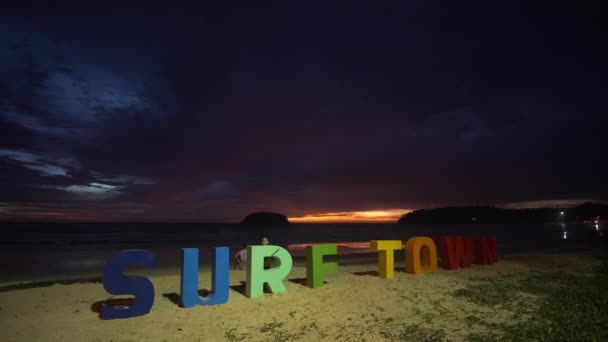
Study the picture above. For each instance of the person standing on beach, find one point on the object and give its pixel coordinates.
(240, 258)
(268, 262)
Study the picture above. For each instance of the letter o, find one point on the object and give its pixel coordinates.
(416, 246)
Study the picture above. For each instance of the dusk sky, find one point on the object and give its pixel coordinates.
(362, 110)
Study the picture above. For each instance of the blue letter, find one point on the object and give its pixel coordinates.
(118, 284)
(220, 272)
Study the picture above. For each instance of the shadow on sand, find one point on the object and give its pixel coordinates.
(96, 307)
(240, 288)
(366, 273)
(375, 273)
(176, 299)
(302, 281)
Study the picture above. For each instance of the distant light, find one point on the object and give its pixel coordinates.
(561, 213)
(597, 227)
(565, 235)
(474, 218)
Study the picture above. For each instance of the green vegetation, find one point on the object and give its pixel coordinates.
(488, 293)
(418, 333)
(483, 214)
(232, 336)
(273, 331)
(352, 331)
(546, 307)
(265, 218)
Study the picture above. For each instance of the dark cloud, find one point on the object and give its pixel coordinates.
(209, 112)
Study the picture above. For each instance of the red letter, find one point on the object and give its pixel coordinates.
(456, 251)
(485, 250)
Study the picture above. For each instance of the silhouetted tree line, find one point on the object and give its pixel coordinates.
(486, 214)
(265, 218)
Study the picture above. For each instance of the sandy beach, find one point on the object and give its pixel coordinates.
(353, 305)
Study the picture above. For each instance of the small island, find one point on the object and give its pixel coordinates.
(587, 212)
(265, 218)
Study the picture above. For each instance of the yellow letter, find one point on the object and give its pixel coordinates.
(386, 260)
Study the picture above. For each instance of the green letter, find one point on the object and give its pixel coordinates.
(315, 268)
(257, 276)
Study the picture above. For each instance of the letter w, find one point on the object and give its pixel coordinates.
(456, 251)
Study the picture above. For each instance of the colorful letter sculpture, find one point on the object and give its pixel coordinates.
(257, 276)
(220, 274)
(456, 251)
(116, 283)
(485, 250)
(315, 267)
(413, 263)
(386, 256)
(420, 258)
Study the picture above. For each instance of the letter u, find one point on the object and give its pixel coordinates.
(220, 274)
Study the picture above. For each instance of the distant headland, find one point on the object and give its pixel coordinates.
(485, 214)
(265, 218)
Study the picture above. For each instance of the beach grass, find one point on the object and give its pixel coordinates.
(567, 307)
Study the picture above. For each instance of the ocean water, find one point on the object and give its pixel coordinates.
(39, 251)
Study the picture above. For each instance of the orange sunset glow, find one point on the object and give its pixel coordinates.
(386, 215)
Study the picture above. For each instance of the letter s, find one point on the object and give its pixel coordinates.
(114, 282)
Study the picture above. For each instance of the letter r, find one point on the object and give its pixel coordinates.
(257, 276)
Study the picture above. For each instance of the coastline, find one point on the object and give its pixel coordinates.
(204, 267)
(348, 259)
